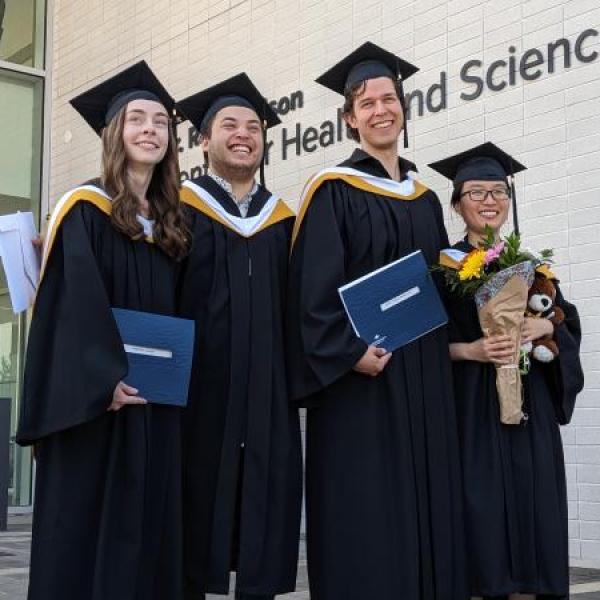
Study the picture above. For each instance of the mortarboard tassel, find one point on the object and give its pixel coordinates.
(262, 172)
(402, 102)
(262, 160)
(513, 195)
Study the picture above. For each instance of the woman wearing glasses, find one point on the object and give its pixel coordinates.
(513, 475)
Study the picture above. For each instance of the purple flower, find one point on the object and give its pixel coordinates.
(494, 252)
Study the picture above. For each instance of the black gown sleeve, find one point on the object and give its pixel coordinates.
(565, 373)
(183, 265)
(439, 219)
(75, 356)
(438, 278)
(323, 344)
(462, 317)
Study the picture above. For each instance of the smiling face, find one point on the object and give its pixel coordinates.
(235, 144)
(145, 132)
(377, 115)
(489, 211)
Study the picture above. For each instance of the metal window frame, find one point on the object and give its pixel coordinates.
(44, 192)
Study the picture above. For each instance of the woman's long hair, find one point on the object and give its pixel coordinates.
(170, 232)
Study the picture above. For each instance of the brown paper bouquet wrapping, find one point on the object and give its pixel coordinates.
(501, 304)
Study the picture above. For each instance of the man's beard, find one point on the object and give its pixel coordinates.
(233, 171)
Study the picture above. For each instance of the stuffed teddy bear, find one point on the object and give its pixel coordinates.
(540, 304)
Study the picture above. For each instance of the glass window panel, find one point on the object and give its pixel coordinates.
(20, 168)
(21, 98)
(22, 32)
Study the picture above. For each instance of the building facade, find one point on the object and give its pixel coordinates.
(22, 90)
(524, 74)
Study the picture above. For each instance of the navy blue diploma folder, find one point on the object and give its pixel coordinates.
(159, 352)
(395, 304)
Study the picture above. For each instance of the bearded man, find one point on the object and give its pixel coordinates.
(242, 455)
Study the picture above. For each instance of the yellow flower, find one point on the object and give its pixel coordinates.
(472, 265)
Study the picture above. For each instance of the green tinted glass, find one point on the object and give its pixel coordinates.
(22, 32)
(21, 98)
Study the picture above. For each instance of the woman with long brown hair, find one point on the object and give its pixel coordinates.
(107, 504)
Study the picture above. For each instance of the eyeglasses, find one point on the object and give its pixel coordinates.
(480, 195)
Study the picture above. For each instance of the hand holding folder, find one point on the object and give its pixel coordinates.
(395, 304)
(125, 395)
(159, 352)
(373, 361)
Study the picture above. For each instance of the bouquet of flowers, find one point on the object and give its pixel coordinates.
(498, 276)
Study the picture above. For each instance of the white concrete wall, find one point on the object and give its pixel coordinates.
(552, 123)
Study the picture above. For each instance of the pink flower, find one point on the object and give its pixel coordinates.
(494, 252)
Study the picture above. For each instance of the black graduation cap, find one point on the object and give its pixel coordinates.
(485, 162)
(368, 61)
(101, 103)
(238, 90)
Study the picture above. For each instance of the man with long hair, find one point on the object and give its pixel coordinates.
(382, 473)
(242, 455)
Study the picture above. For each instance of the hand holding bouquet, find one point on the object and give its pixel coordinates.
(498, 276)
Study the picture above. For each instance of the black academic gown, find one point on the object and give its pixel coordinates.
(514, 475)
(234, 287)
(107, 499)
(383, 494)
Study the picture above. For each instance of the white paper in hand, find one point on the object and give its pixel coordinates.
(20, 258)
